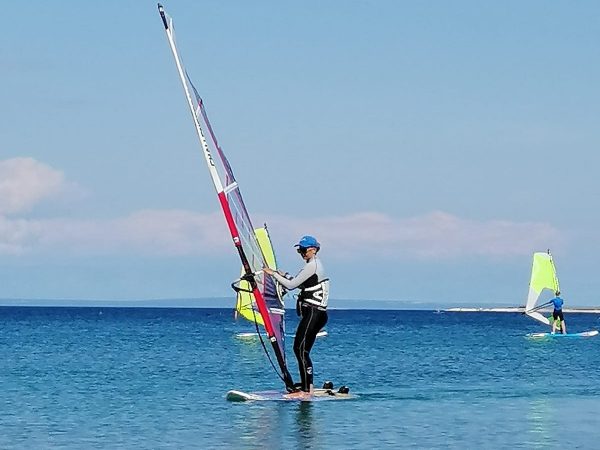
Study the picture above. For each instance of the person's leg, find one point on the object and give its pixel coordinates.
(316, 320)
(300, 336)
(320, 319)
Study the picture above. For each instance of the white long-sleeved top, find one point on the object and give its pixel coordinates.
(312, 266)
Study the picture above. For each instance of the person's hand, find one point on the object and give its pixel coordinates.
(268, 271)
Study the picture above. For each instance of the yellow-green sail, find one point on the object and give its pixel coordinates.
(246, 305)
(543, 284)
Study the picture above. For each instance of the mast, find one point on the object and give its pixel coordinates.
(556, 284)
(222, 192)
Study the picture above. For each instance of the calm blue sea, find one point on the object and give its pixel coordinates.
(156, 378)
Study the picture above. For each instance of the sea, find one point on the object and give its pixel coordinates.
(156, 378)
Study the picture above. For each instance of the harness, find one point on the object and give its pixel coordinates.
(314, 293)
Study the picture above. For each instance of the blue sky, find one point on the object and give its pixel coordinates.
(430, 146)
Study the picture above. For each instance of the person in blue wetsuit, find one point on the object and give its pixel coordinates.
(557, 314)
(311, 307)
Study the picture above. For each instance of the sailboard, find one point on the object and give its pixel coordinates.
(543, 286)
(262, 286)
(583, 334)
(264, 396)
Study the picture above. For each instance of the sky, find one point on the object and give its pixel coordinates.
(431, 147)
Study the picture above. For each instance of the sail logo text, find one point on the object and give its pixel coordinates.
(209, 158)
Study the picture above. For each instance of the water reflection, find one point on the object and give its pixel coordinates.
(276, 425)
(306, 429)
(541, 418)
(258, 426)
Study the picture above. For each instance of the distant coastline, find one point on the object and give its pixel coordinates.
(219, 302)
(229, 302)
(590, 310)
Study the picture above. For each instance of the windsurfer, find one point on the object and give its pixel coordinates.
(557, 314)
(311, 307)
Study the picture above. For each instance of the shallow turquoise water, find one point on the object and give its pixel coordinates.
(156, 378)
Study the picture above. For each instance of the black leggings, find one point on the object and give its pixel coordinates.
(312, 321)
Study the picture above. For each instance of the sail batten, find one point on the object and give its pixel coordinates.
(230, 187)
(238, 221)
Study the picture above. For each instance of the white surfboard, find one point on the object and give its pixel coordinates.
(319, 395)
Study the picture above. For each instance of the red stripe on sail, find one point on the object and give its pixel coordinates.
(260, 301)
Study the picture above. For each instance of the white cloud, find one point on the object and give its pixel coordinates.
(13, 235)
(24, 182)
(175, 232)
(432, 236)
(148, 232)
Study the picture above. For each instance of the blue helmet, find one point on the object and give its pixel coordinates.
(308, 241)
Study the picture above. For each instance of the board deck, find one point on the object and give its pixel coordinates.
(560, 335)
(319, 395)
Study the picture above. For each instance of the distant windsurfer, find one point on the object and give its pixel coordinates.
(311, 307)
(557, 314)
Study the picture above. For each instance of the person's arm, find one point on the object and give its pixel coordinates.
(307, 271)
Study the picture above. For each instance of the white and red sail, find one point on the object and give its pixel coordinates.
(238, 220)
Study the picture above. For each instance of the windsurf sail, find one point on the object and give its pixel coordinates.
(543, 285)
(246, 302)
(262, 286)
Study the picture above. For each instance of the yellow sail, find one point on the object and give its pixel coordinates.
(246, 304)
(543, 284)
